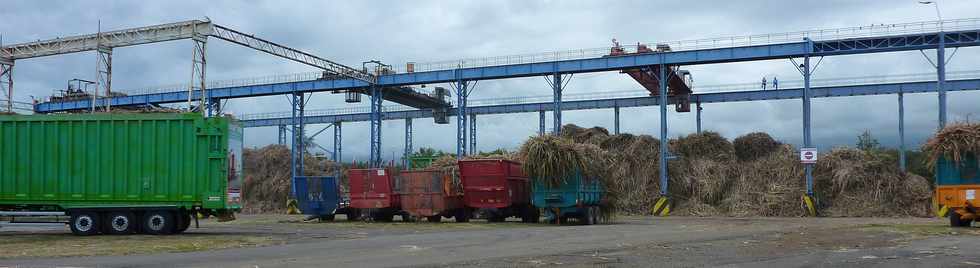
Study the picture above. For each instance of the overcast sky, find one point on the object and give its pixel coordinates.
(396, 32)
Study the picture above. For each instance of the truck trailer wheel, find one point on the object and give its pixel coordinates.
(462, 215)
(185, 223)
(84, 223)
(955, 221)
(120, 223)
(436, 218)
(531, 215)
(158, 222)
(585, 216)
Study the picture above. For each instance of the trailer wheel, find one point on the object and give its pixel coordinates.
(84, 223)
(462, 215)
(436, 218)
(597, 216)
(585, 216)
(353, 214)
(531, 215)
(329, 217)
(955, 221)
(120, 223)
(185, 223)
(158, 222)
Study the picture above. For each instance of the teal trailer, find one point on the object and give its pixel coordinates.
(576, 198)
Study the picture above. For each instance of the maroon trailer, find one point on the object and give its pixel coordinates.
(431, 194)
(374, 192)
(499, 187)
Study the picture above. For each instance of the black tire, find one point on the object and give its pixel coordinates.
(330, 217)
(119, 223)
(353, 214)
(585, 216)
(531, 215)
(955, 221)
(436, 218)
(184, 224)
(497, 217)
(157, 222)
(597, 217)
(84, 223)
(462, 215)
(383, 217)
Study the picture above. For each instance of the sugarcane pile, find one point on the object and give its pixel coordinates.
(267, 177)
(754, 176)
(952, 142)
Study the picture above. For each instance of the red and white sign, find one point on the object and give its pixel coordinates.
(808, 155)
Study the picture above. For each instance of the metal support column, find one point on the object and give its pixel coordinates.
(699, 116)
(376, 98)
(663, 129)
(808, 201)
(556, 87)
(462, 93)
(298, 145)
(541, 122)
(337, 146)
(7, 79)
(472, 134)
(662, 206)
(198, 71)
(282, 134)
(901, 131)
(807, 142)
(616, 120)
(103, 77)
(941, 81)
(408, 142)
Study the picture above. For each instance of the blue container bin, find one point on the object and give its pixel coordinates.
(578, 198)
(317, 196)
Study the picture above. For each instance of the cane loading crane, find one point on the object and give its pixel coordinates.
(197, 30)
(679, 82)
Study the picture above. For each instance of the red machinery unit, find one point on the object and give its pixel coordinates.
(499, 186)
(432, 194)
(678, 82)
(374, 192)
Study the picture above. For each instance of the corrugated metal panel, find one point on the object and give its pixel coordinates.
(114, 159)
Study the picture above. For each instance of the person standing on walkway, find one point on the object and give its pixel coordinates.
(763, 83)
(775, 83)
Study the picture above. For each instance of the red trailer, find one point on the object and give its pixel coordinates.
(374, 192)
(499, 187)
(432, 194)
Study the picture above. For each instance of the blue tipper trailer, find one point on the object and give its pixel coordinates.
(577, 198)
(318, 196)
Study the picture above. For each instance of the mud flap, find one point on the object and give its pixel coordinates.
(809, 206)
(662, 207)
(225, 215)
(292, 207)
(942, 212)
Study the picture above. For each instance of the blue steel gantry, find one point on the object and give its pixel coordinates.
(464, 74)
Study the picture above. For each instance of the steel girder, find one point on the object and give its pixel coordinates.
(376, 119)
(632, 61)
(717, 97)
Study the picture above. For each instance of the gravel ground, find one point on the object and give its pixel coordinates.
(627, 242)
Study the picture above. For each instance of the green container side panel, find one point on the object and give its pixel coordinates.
(949, 172)
(575, 190)
(118, 160)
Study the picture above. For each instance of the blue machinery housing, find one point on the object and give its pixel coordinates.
(464, 78)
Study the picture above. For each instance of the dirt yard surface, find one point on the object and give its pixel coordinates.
(281, 241)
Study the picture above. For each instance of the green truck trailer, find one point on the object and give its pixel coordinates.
(121, 173)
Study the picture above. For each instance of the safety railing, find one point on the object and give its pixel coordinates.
(722, 42)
